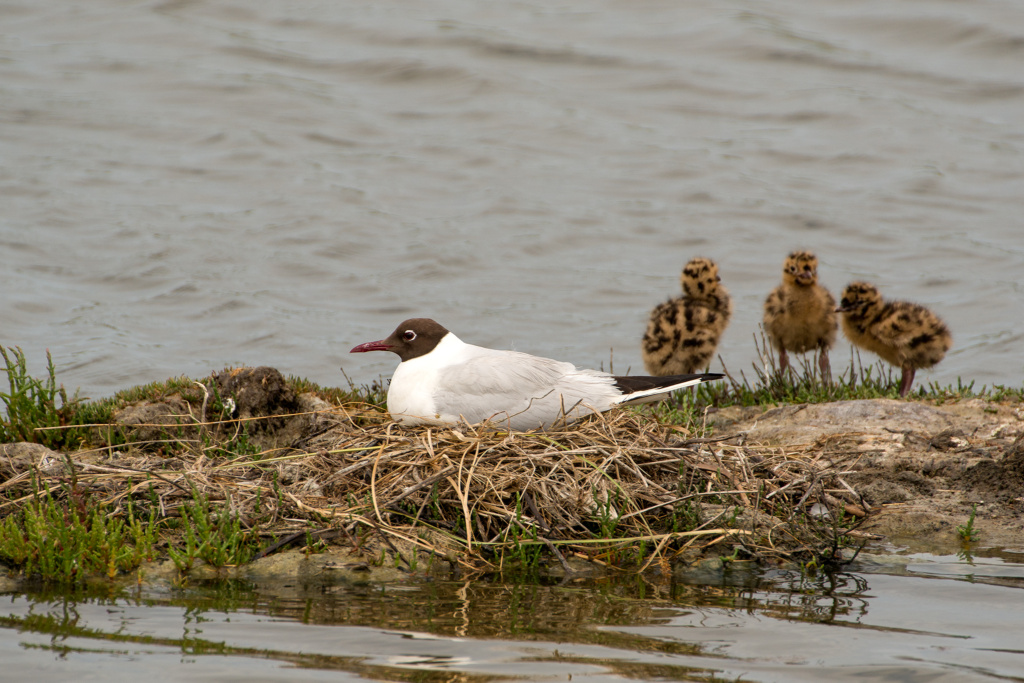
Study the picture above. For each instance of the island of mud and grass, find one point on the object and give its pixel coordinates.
(247, 473)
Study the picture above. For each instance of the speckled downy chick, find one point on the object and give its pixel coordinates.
(799, 314)
(905, 334)
(682, 334)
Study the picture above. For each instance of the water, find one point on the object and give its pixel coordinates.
(779, 626)
(191, 185)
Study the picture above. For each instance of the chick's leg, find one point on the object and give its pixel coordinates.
(906, 380)
(823, 365)
(783, 361)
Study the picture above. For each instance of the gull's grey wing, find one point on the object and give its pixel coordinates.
(518, 389)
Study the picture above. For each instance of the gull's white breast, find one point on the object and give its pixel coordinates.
(414, 383)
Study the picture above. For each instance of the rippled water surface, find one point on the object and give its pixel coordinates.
(187, 185)
(894, 626)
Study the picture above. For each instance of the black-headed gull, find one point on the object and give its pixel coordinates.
(443, 380)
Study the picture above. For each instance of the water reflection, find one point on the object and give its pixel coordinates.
(484, 630)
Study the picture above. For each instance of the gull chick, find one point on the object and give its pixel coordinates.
(799, 314)
(683, 333)
(443, 380)
(904, 334)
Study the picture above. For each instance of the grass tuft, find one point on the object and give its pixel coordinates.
(73, 539)
(36, 409)
(212, 535)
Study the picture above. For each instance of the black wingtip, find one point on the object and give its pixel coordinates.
(629, 384)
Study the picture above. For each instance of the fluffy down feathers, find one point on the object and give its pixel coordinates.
(682, 334)
(904, 334)
(799, 314)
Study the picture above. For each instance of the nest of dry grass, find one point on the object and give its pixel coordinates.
(621, 489)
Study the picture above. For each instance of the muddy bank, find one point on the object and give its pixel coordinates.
(919, 467)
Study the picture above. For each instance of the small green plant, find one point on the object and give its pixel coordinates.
(240, 444)
(686, 516)
(214, 536)
(734, 557)
(734, 517)
(33, 412)
(314, 546)
(607, 515)
(967, 532)
(526, 549)
(830, 531)
(72, 539)
(641, 552)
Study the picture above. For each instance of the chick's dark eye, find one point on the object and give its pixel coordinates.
(409, 335)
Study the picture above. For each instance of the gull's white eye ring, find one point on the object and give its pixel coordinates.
(409, 335)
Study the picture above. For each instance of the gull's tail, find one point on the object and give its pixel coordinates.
(642, 389)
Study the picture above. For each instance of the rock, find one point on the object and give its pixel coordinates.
(1015, 454)
(23, 456)
(311, 403)
(334, 566)
(145, 421)
(950, 440)
(709, 570)
(810, 422)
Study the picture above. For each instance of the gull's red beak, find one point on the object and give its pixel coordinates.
(371, 346)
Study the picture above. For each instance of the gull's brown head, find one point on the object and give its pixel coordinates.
(413, 338)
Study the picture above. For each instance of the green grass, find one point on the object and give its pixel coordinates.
(154, 391)
(38, 410)
(683, 410)
(72, 539)
(802, 383)
(213, 535)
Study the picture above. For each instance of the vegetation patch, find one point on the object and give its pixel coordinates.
(68, 536)
(803, 383)
(39, 410)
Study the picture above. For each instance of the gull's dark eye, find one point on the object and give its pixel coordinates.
(409, 335)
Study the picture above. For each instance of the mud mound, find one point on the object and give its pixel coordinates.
(257, 392)
(1000, 480)
(920, 467)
